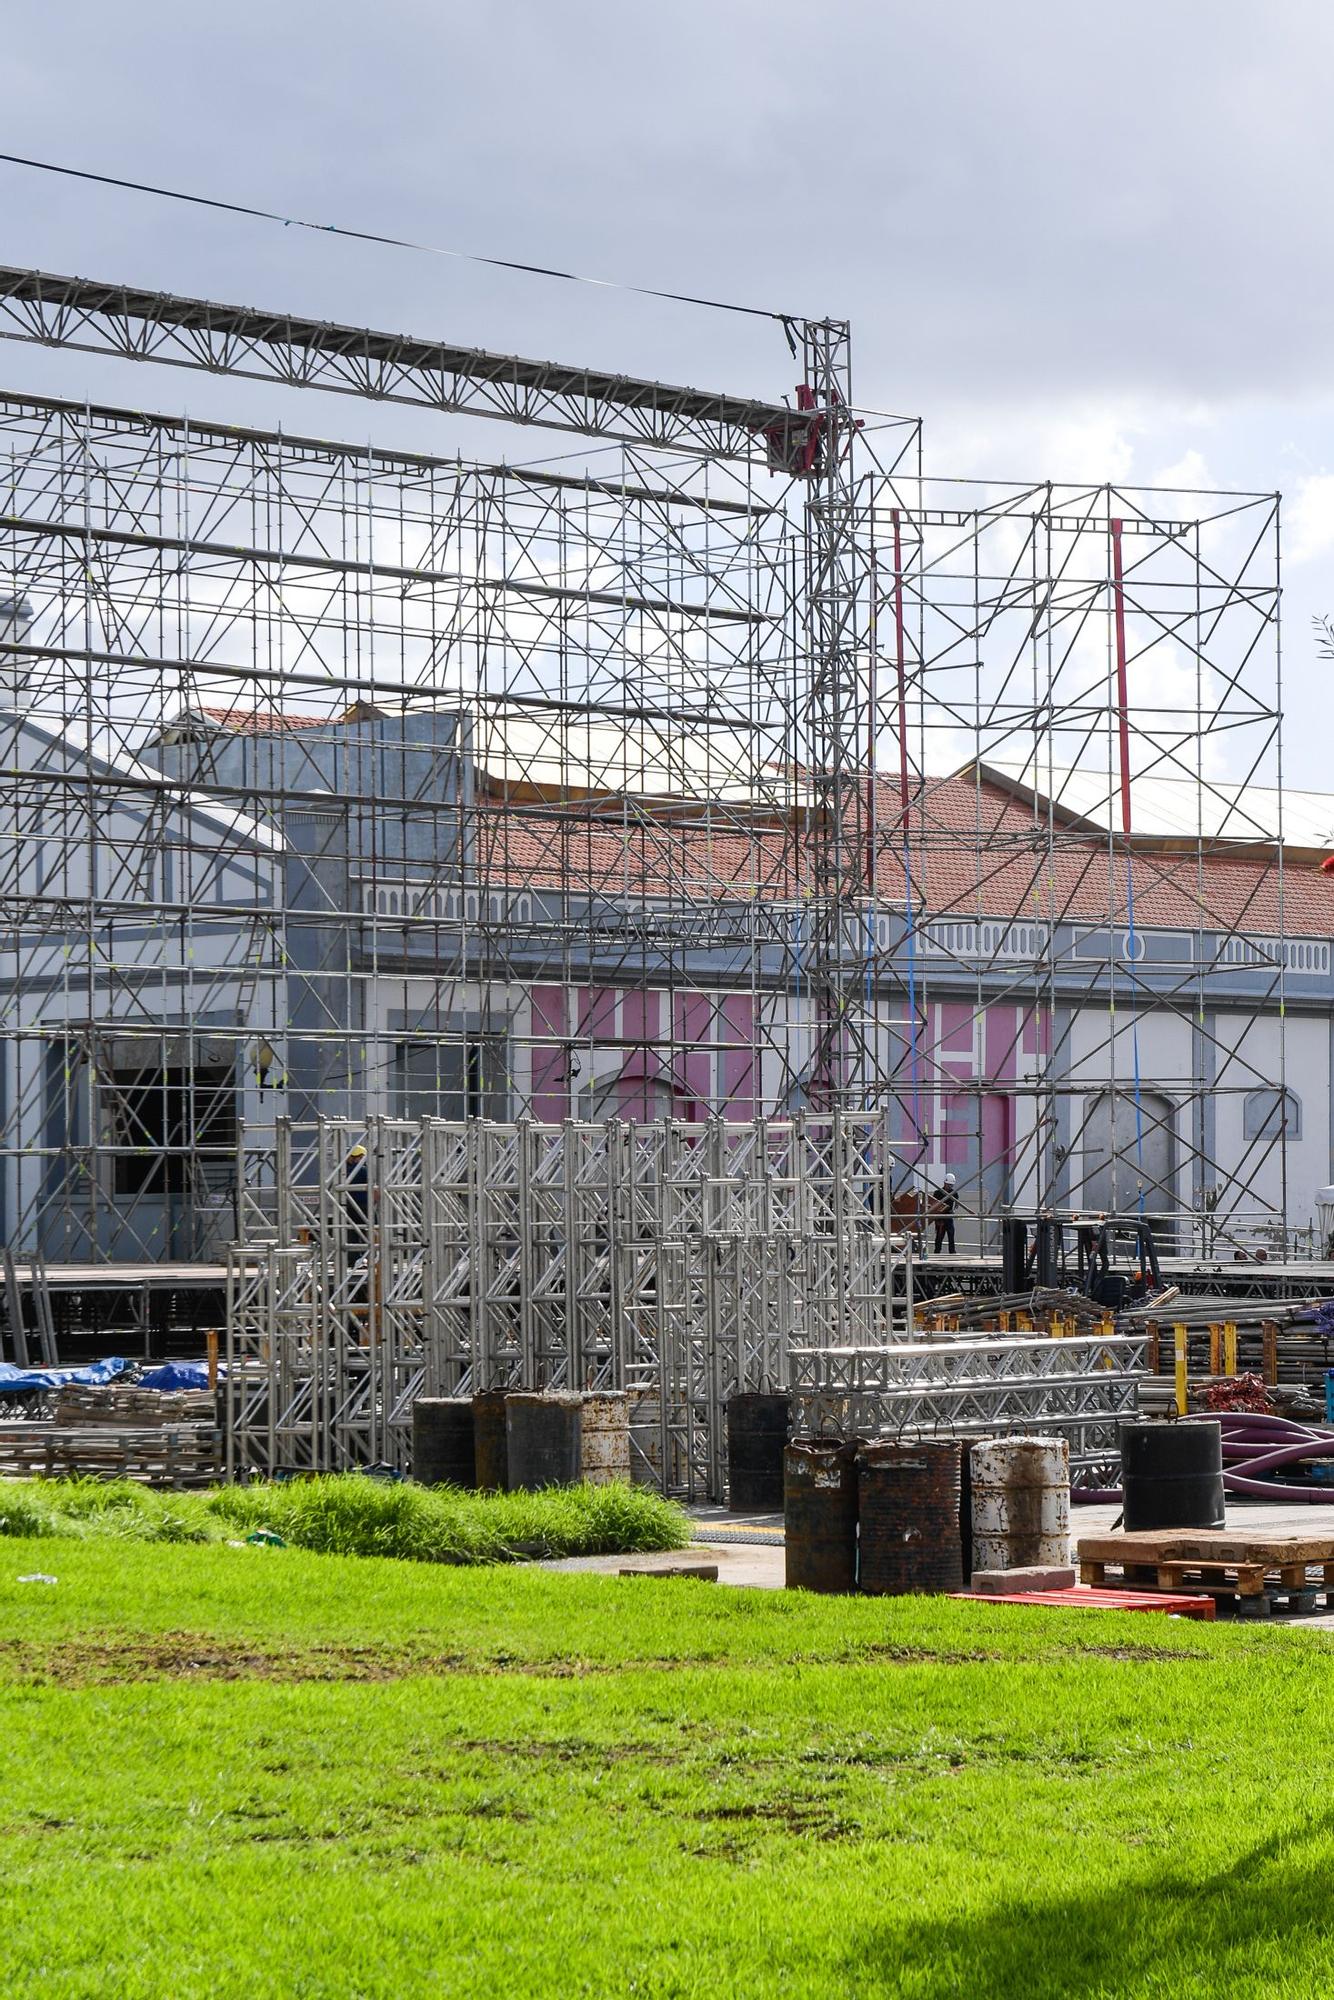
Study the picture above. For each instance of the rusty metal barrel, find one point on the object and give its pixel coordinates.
(820, 1515)
(908, 1508)
(443, 1449)
(1172, 1475)
(489, 1443)
(542, 1441)
(1020, 1503)
(756, 1435)
(604, 1436)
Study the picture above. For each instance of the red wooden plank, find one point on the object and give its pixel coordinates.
(1083, 1597)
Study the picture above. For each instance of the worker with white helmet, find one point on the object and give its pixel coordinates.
(944, 1201)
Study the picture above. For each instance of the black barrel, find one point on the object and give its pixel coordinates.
(820, 1515)
(966, 1508)
(1172, 1475)
(443, 1453)
(908, 1507)
(1014, 1254)
(543, 1438)
(756, 1434)
(489, 1447)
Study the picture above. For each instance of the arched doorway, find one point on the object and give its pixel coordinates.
(1130, 1157)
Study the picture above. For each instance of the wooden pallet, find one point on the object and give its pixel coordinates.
(1257, 1572)
(165, 1455)
(132, 1408)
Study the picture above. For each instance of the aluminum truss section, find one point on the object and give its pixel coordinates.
(384, 367)
(276, 1389)
(1080, 1387)
(836, 628)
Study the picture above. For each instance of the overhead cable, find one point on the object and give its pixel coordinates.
(785, 320)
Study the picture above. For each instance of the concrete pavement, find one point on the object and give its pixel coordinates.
(748, 1548)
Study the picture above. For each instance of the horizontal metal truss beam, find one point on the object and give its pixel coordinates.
(968, 1364)
(91, 421)
(420, 576)
(385, 367)
(1078, 1388)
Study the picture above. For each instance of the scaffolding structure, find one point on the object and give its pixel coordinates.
(742, 770)
(680, 1264)
(1103, 848)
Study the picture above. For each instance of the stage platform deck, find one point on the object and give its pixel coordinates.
(154, 1310)
(1197, 1277)
(119, 1277)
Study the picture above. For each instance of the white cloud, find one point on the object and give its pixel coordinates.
(1310, 519)
(1076, 442)
(1188, 471)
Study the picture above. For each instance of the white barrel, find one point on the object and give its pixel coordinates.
(604, 1421)
(1021, 1503)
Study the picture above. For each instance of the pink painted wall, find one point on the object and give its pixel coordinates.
(597, 1013)
(737, 1034)
(947, 1056)
(551, 1089)
(1001, 1043)
(641, 1017)
(694, 1018)
(954, 1127)
(723, 1071)
(997, 1131)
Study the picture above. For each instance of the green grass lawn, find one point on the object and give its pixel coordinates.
(348, 1514)
(260, 1773)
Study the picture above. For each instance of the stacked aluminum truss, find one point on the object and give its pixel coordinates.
(681, 1263)
(1078, 1387)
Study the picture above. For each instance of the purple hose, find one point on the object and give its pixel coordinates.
(1235, 1482)
(1290, 1454)
(1257, 1442)
(1278, 1489)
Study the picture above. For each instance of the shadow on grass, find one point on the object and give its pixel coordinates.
(1267, 1915)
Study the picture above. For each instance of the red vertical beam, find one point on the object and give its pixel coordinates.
(900, 659)
(871, 697)
(1122, 691)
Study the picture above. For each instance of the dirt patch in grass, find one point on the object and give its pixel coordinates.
(924, 1656)
(556, 1750)
(201, 1657)
(1141, 1653)
(191, 1656)
(803, 1816)
(889, 1655)
(800, 1819)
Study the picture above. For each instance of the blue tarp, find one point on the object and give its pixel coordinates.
(176, 1375)
(14, 1381)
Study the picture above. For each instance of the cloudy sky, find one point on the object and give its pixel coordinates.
(1081, 243)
